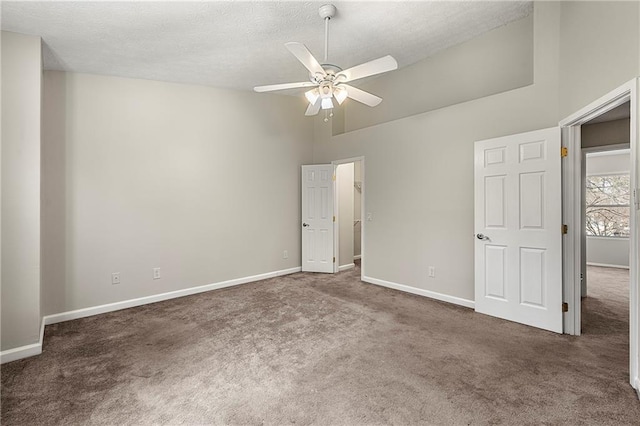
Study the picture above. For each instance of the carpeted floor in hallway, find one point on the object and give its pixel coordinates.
(322, 349)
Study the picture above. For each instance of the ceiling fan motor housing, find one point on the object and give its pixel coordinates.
(331, 71)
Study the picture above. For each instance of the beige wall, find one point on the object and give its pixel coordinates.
(200, 182)
(419, 173)
(600, 50)
(344, 184)
(497, 61)
(420, 167)
(608, 251)
(20, 230)
(608, 133)
(614, 162)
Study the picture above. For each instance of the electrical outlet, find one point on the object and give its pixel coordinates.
(285, 254)
(115, 278)
(156, 273)
(432, 272)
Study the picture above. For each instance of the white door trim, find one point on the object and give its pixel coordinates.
(336, 234)
(572, 188)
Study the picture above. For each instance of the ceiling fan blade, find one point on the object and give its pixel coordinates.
(301, 52)
(313, 109)
(284, 86)
(377, 66)
(362, 96)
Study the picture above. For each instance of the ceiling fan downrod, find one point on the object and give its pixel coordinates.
(326, 12)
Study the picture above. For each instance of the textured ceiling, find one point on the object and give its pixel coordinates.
(241, 44)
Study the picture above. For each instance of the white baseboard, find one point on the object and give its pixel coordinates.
(607, 265)
(24, 351)
(420, 292)
(345, 267)
(20, 352)
(638, 386)
(357, 256)
(36, 348)
(125, 304)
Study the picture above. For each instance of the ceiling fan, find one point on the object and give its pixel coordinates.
(328, 80)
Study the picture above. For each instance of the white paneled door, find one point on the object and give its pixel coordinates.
(317, 218)
(518, 225)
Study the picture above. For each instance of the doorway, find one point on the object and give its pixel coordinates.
(606, 210)
(575, 139)
(606, 204)
(348, 207)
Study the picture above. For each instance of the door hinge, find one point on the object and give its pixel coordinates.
(334, 178)
(565, 307)
(564, 151)
(334, 218)
(334, 259)
(565, 229)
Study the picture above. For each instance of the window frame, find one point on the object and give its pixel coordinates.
(628, 206)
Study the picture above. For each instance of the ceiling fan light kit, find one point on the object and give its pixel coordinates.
(328, 80)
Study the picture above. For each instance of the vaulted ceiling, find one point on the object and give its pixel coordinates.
(239, 45)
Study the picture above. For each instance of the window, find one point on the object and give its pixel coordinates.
(607, 200)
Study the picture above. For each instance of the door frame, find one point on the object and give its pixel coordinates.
(336, 227)
(572, 213)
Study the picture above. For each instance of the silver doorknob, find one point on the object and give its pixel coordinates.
(482, 237)
(305, 224)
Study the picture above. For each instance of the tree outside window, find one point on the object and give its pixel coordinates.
(607, 200)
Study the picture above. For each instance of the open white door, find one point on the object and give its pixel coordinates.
(317, 218)
(518, 225)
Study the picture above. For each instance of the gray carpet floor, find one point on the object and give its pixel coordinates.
(326, 349)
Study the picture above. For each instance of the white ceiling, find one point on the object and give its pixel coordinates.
(241, 44)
